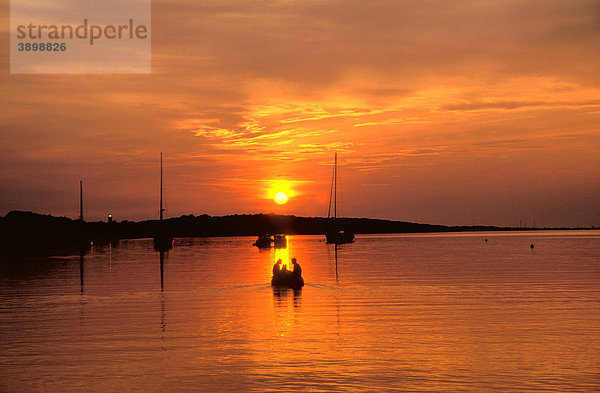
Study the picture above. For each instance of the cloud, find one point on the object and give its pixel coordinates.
(508, 105)
(393, 121)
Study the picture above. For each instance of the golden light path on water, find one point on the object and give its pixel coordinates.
(284, 253)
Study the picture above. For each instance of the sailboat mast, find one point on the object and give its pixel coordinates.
(330, 195)
(161, 188)
(80, 200)
(335, 188)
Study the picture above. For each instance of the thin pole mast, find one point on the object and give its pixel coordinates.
(80, 200)
(330, 195)
(335, 188)
(161, 188)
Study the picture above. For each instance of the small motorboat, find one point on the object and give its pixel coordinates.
(279, 241)
(263, 241)
(287, 280)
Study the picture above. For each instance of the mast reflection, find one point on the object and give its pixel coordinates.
(82, 302)
(162, 263)
(335, 264)
(163, 325)
(81, 267)
(337, 278)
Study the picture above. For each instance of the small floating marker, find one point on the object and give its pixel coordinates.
(486, 240)
(531, 245)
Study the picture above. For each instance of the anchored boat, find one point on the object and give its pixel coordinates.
(336, 234)
(264, 241)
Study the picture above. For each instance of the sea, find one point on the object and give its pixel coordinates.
(436, 312)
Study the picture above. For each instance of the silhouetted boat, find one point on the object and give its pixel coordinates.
(279, 241)
(287, 279)
(83, 244)
(336, 234)
(264, 241)
(162, 242)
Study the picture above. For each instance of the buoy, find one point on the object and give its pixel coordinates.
(486, 240)
(531, 245)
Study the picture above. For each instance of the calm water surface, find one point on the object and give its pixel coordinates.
(435, 312)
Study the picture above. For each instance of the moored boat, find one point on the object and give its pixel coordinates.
(336, 234)
(163, 243)
(264, 241)
(279, 241)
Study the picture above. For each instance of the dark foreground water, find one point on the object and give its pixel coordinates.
(445, 312)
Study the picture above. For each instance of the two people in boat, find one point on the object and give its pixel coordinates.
(280, 272)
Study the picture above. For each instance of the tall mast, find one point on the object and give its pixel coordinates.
(80, 200)
(330, 195)
(335, 188)
(161, 188)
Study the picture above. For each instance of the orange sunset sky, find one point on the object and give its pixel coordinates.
(444, 112)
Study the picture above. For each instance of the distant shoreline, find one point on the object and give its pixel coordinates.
(20, 230)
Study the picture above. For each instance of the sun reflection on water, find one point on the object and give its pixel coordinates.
(284, 255)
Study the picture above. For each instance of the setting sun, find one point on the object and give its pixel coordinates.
(281, 198)
(281, 191)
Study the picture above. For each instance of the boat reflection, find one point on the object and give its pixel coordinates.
(281, 296)
(335, 259)
(163, 325)
(81, 268)
(162, 269)
(337, 278)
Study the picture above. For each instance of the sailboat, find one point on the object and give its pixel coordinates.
(162, 242)
(336, 234)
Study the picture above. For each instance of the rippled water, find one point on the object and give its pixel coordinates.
(435, 312)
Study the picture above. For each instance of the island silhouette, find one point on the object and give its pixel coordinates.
(22, 231)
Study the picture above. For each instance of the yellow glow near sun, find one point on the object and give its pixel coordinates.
(280, 191)
(280, 198)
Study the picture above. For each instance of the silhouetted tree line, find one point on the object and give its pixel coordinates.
(30, 231)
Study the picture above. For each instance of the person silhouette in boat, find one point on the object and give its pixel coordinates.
(277, 268)
(284, 277)
(297, 272)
